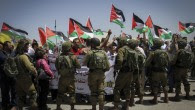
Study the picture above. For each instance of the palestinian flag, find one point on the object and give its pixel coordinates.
(186, 28)
(82, 31)
(61, 34)
(150, 30)
(52, 38)
(11, 34)
(89, 25)
(117, 16)
(149, 22)
(96, 32)
(42, 35)
(72, 32)
(162, 32)
(138, 24)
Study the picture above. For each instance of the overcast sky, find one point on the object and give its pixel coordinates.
(31, 14)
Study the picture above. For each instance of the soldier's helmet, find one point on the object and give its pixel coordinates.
(122, 41)
(66, 46)
(20, 46)
(133, 43)
(158, 42)
(182, 43)
(95, 42)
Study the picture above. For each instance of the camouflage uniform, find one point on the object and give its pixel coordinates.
(24, 84)
(193, 65)
(96, 76)
(159, 74)
(125, 76)
(180, 73)
(138, 78)
(66, 82)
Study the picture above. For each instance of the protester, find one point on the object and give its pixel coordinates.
(43, 79)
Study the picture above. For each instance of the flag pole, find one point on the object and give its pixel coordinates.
(55, 31)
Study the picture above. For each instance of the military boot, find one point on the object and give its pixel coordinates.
(166, 99)
(58, 107)
(126, 107)
(101, 106)
(116, 106)
(132, 102)
(177, 97)
(187, 96)
(20, 108)
(72, 106)
(93, 107)
(132, 99)
(140, 99)
(154, 100)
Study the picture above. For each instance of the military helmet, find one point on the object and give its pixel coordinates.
(182, 43)
(158, 42)
(122, 41)
(66, 46)
(95, 42)
(133, 43)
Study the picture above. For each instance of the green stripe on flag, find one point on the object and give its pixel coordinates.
(150, 37)
(73, 34)
(188, 30)
(119, 23)
(166, 36)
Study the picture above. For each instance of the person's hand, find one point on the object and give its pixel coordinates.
(109, 32)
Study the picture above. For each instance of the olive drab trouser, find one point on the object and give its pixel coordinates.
(123, 81)
(180, 75)
(138, 84)
(25, 86)
(66, 85)
(96, 86)
(193, 71)
(157, 79)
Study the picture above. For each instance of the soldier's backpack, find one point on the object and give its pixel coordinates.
(132, 60)
(65, 64)
(10, 67)
(98, 60)
(184, 59)
(160, 59)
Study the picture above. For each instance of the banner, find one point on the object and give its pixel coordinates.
(81, 76)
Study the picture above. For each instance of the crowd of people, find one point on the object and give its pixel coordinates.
(137, 63)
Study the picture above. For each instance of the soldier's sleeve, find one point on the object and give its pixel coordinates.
(119, 59)
(29, 66)
(86, 59)
(168, 58)
(107, 63)
(76, 62)
(149, 59)
(174, 60)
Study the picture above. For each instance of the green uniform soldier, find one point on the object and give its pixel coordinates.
(125, 75)
(138, 74)
(158, 60)
(97, 62)
(182, 62)
(193, 64)
(66, 65)
(24, 84)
